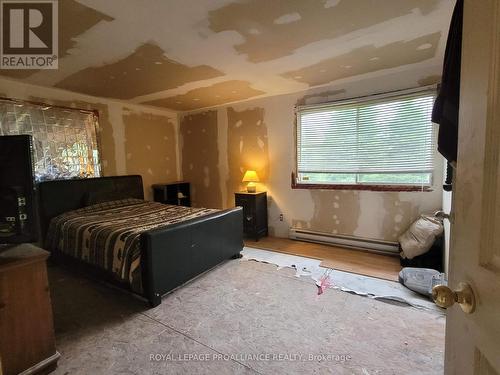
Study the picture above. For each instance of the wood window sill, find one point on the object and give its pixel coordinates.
(366, 187)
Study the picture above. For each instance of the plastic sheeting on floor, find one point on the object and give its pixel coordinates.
(345, 281)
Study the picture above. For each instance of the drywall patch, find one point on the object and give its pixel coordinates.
(74, 19)
(247, 147)
(150, 142)
(287, 18)
(105, 133)
(301, 224)
(216, 94)
(318, 21)
(200, 158)
(430, 80)
(144, 71)
(397, 217)
(357, 62)
(335, 211)
(320, 97)
(106, 139)
(18, 73)
(331, 3)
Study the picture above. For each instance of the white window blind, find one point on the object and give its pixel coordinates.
(381, 141)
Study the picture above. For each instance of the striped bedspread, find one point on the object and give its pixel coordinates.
(107, 235)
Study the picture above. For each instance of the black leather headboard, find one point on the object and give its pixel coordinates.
(59, 196)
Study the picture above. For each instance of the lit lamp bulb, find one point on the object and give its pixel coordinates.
(251, 177)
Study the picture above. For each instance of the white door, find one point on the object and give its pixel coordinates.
(473, 340)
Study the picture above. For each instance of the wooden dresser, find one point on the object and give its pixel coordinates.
(27, 343)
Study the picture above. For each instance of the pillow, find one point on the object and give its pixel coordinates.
(95, 197)
(418, 239)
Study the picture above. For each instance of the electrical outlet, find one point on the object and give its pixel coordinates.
(281, 217)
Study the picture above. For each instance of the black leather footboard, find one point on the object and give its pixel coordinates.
(175, 254)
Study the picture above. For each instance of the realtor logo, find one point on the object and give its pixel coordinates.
(29, 38)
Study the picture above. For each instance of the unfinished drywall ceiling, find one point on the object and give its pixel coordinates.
(429, 80)
(216, 94)
(144, 71)
(355, 62)
(286, 25)
(190, 55)
(74, 20)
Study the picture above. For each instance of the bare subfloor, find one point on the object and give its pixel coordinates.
(243, 317)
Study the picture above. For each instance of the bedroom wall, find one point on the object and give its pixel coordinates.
(134, 139)
(259, 134)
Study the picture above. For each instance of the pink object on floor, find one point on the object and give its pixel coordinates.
(323, 283)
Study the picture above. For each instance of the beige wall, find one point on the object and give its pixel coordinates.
(133, 139)
(259, 134)
(200, 158)
(216, 146)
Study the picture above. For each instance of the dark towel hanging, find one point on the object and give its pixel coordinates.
(445, 111)
(448, 182)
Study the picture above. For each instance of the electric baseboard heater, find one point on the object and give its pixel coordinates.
(378, 246)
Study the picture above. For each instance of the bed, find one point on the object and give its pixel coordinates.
(104, 227)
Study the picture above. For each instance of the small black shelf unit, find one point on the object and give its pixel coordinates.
(176, 193)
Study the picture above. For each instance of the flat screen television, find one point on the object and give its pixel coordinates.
(17, 190)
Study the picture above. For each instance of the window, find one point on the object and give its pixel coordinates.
(64, 139)
(378, 141)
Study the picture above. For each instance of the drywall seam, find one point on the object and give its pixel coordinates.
(31, 89)
(177, 127)
(223, 162)
(115, 118)
(435, 64)
(200, 162)
(420, 69)
(132, 76)
(219, 93)
(150, 148)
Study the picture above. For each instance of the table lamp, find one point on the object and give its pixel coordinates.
(251, 177)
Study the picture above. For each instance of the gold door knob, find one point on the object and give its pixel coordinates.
(464, 296)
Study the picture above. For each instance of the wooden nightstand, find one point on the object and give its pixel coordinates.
(27, 343)
(254, 213)
(176, 193)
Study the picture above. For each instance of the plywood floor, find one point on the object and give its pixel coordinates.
(349, 260)
(224, 321)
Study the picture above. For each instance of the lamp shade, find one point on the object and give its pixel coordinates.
(250, 176)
